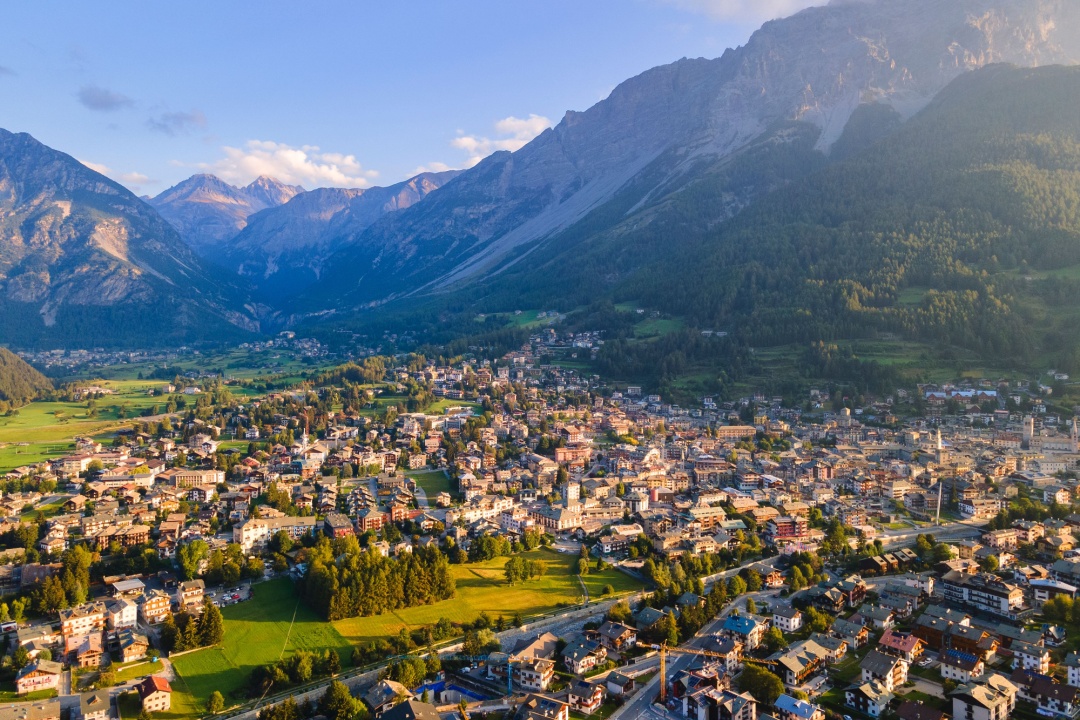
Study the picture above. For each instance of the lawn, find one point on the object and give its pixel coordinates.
(8, 694)
(931, 700)
(257, 632)
(137, 670)
(432, 481)
(129, 705)
(482, 587)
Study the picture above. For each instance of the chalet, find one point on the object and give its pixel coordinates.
(155, 694)
(584, 655)
(616, 636)
(910, 647)
(870, 698)
(888, 670)
(38, 675)
(154, 607)
(961, 667)
(586, 697)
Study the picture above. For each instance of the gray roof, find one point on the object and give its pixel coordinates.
(878, 662)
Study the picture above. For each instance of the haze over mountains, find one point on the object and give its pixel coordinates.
(278, 236)
(597, 206)
(207, 211)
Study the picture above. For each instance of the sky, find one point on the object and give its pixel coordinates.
(331, 93)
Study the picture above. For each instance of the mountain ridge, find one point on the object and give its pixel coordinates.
(284, 248)
(674, 122)
(81, 256)
(208, 212)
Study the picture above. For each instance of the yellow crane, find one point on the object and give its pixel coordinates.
(664, 650)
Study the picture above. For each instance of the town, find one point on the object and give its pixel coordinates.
(487, 537)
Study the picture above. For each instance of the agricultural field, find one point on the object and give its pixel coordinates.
(481, 587)
(237, 363)
(44, 430)
(262, 630)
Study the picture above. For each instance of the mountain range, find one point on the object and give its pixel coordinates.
(208, 211)
(85, 261)
(660, 193)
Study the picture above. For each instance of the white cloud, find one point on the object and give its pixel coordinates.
(514, 133)
(432, 167)
(305, 165)
(744, 11)
(133, 181)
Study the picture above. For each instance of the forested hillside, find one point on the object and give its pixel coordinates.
(959, 228)
(963, 227)
(19, 383)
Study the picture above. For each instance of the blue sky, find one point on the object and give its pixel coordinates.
(331, 93)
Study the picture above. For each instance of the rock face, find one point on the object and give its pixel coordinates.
(77, 248)
(650, 137)
(208, 211)
(283, 249)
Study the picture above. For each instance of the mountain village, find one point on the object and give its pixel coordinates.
(881, 561)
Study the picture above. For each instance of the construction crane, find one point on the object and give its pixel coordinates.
(664, 650)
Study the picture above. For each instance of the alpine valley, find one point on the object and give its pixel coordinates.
(906, 169)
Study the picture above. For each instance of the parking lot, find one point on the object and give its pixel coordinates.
(223, 597)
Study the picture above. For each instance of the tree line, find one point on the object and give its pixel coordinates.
(356, 582)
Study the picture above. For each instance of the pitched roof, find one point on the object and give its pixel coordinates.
(153, 684)
(795, 707)
(910, 710)
(878, 662)
(412, 710)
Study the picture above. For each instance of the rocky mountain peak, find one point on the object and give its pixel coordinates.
(208, 212)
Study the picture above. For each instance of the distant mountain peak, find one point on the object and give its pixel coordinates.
(208, 211)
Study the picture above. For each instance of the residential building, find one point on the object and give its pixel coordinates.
(979, 702)
(586, 697)
(790, 708)
(983, 592)
(95, 705)
(155, 694)
(154, 606)
(960, 666)
(38, 675)
(889, 670)
(869, 698)
(788, 619)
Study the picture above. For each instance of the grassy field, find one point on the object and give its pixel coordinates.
(137, 669)
(432, 481)
(9, 695)
(129, 705)
(657, 327)
(44, 430)
(263, 629)
(270, 626)
(482, 587)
